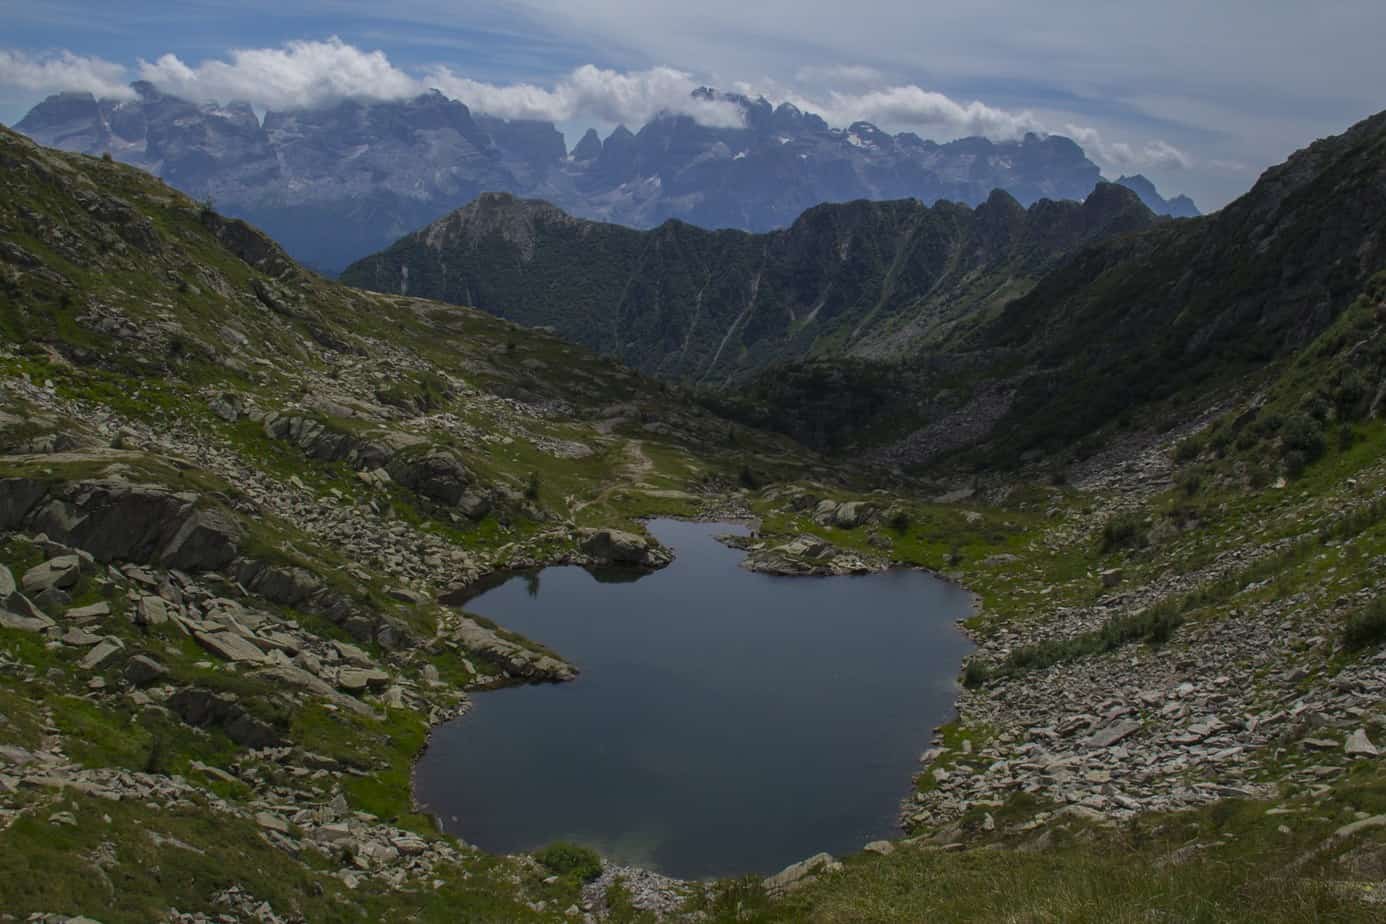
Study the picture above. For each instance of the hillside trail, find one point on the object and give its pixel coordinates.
(630, 472)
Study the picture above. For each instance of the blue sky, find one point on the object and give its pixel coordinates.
(1199, 96)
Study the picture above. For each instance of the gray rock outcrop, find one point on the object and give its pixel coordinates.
(117, 521)
(616, 547)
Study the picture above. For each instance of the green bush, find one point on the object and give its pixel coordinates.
(1295, 463)
(565, 859)
(976, 673)
(1347, 436)
(1366, 628)
(532, 487)
(1155, 626)
(1350, 394)
(899, 520)
(1302, 434)
(1188, 450)
(1124, 531)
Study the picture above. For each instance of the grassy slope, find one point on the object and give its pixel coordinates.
(1029, 550)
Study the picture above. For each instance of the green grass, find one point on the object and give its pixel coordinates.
(386, 749)
(573, 860)
(49, 867)
(1154, 626)
(1245, 869)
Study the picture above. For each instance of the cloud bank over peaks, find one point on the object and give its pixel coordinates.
(1155, 154)
(301, 74)
(593, 93)
(915, 108)
(59, 71)
(306, 74)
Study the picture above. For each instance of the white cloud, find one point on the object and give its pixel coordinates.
(1154, 154)
(57, 71)
(592, 93)
(300, 74)
(311, 73)
(913, 107)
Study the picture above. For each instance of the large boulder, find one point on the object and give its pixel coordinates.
(61, 572)
(35, 623)
(852, 514)
(437, 474)
(798, 874)
(320, 440)
(205, 709)
(230, 647)
(114, 520)
(517, 660)
(288, 585)
(142, 670)
(617, 547)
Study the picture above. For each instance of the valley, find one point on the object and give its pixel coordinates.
(245, 509)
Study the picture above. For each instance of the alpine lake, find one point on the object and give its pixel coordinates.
(724, 722)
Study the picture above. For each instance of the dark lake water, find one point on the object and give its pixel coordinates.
(724, 722)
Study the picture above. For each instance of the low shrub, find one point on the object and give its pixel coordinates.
(1347, 437)
(1188, 450)
(976, 673)
(1302, 443)
(1155, 626)
(566, 859)
(1366, 628)
(1124, 531)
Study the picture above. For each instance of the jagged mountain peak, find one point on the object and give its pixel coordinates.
(341, 180)
(1178, 207)
(589, 148)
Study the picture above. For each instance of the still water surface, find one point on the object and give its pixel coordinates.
(724, 722)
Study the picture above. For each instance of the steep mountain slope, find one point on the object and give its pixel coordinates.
(1128, 328)
(336, 183)
(861, 278)
(1187, 305)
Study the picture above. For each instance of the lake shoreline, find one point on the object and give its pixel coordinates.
(751, 524)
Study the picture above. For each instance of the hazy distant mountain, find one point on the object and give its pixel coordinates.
(336, 183)
(1178, 207)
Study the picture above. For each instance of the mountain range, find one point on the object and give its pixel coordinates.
(336, 183)
(1005, 329)
(855, 279)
